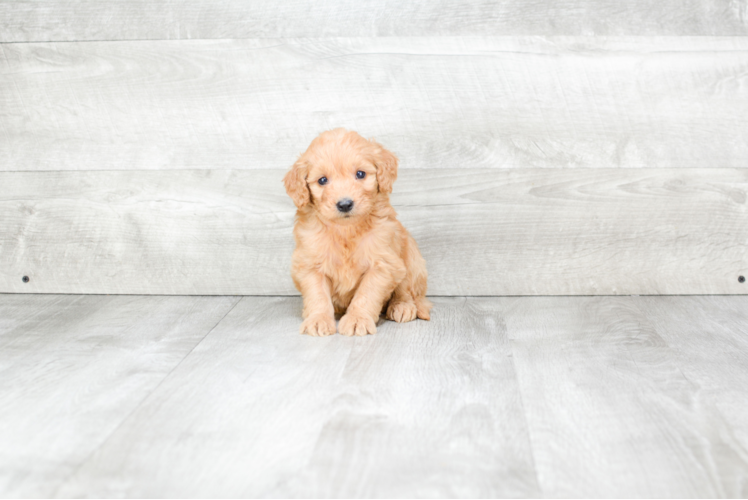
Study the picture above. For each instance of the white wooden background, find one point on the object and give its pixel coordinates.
(438, 102)
(71, 20)
(142, 143)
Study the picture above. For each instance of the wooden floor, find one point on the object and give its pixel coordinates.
(495, 397)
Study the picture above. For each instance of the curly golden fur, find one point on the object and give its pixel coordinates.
(352, 257)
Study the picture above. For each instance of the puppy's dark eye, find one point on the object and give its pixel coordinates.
(360, 174)
(322, 181)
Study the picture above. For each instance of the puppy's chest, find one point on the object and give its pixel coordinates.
(344, 264)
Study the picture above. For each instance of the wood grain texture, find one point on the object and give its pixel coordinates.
(437, 102)
(424, 409)
(74, 367)
(519, 397)
(611, 408)
(67, 20)
(708, 338)
(482, 232)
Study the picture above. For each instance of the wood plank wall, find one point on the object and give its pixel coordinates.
(78, 20)
(579, 147)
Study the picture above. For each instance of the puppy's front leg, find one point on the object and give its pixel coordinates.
(376, 286)
(319, 315)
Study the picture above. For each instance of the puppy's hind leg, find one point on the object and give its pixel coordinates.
(423, 308)
(409, 300)
(402, 308)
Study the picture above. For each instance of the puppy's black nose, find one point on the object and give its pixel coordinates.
(345, 205)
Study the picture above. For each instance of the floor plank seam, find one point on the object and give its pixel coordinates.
(524, 416)
(140, 404)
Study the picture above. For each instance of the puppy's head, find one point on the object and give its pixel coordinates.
(340, 175)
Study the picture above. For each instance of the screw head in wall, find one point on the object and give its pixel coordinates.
(25, 279)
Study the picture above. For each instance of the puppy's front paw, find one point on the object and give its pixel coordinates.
(401, 312)
(318, 325)
(356, 324)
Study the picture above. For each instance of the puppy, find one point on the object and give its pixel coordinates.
(352, 257)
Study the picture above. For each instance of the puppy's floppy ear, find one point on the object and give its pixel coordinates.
(386, 163)
(295, 182)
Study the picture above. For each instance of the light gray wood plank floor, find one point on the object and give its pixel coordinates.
(72, 368)
(611, 408)
(513, 396)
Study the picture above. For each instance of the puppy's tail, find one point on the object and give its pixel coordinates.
(423, 308)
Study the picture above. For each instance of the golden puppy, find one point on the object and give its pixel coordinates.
(352, 255)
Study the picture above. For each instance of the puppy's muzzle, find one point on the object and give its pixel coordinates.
(345, 205)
